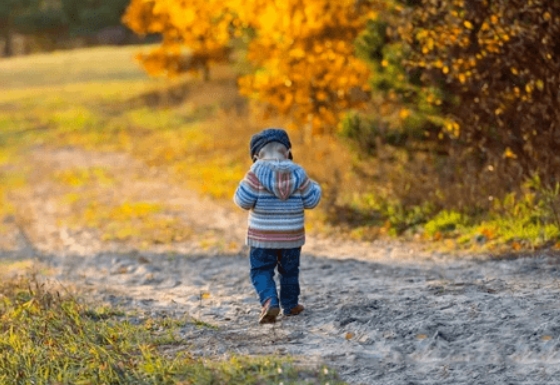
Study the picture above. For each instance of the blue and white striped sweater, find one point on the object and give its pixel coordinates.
(276, 192)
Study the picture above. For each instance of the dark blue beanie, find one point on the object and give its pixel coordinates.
(258, 141)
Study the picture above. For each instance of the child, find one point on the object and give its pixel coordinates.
(276, 191)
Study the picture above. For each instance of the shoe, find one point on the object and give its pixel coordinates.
(296, 310)
(268, 313)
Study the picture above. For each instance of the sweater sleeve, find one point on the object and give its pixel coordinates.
(247, 191)
(310, 193)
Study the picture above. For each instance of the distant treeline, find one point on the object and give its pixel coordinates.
(38, 25)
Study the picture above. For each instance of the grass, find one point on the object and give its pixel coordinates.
(99, 99)
(48, 336)
(68, 68)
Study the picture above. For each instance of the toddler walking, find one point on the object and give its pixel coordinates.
(276, 191)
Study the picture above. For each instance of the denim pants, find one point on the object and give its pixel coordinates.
(263, 265)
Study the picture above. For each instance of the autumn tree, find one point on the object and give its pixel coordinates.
(301, 53)
(195, 34)
(465, 94)
(404, 110)
(501, 59)
(304, 58)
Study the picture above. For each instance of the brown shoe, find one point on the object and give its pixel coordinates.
(296, 310)
(268, 314)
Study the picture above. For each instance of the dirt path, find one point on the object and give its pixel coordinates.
(378, 313)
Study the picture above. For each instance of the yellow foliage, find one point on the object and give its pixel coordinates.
(304, 50)
(508, 153)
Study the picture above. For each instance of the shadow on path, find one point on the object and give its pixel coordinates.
(398, 322)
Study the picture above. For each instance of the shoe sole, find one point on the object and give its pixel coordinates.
(269, 317)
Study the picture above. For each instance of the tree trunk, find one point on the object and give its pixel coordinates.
(8, 41)
(206, 72)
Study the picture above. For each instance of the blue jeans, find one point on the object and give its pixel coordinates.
(263, 264)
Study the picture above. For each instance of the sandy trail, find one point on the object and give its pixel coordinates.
(378, 313)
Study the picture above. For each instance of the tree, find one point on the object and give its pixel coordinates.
(304, 58)
(10, 10)
(301, 53)
(195, 34)
(501, 59)
(469, 90)
(86, 17)
(56, 19)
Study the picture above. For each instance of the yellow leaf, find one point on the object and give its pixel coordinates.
(404, 113)
(468, 24)
(546, 338)
(349, 335)
(421, 336)
(508, 153)
(297, 53)
(205, 295)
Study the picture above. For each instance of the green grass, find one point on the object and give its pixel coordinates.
(50, 337)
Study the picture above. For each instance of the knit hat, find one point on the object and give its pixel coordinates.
(258, 141)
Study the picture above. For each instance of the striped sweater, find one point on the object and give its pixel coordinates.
(276, 192)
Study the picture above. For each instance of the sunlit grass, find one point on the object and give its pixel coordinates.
(81, 176)
(143, 222)
(117, 218)
(9, 181)
(102, 64)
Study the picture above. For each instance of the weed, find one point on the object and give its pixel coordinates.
(444, 222)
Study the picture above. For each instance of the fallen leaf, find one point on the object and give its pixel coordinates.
(421, 336)
(349, 335)
(546, 338)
